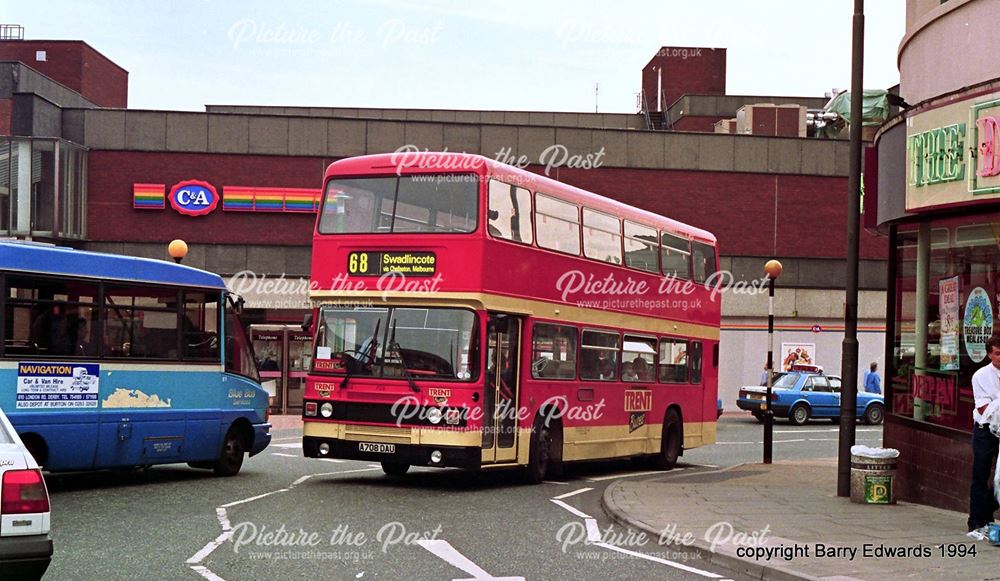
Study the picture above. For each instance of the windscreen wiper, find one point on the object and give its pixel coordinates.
(394, 346)
(370, 355)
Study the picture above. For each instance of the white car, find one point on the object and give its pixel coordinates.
(25, 546)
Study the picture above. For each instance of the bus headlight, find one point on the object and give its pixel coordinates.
(434, 415)
(324, 449)
(436, 457)
(326, 410)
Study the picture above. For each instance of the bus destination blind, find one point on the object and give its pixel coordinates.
(379, 263)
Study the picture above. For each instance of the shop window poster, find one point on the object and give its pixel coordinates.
(948, 310)
(977, 324)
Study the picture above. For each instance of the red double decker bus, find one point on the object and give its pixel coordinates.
(472, 314)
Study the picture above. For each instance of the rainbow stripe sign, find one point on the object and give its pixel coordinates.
(148, 196)
(193, 197)
(197, 198)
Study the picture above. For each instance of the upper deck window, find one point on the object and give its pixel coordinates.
(557, 224)
(676, 253)
(702, 261)
(421, 203)
(602, 236)
(641, 247)
(510, 212)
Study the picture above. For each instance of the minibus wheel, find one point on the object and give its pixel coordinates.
(231, 459)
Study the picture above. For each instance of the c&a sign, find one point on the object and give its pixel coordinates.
(193, 197)
(953, 153)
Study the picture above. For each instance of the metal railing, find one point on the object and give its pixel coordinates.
(11, 32)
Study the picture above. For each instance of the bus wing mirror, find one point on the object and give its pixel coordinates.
(307, 323)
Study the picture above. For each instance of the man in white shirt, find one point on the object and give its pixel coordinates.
(985, 389)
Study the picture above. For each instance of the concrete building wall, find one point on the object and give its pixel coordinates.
(545, 118)
(945, 47)
(18, 78)
(35, 116)
(137, 130)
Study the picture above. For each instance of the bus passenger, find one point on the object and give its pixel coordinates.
(643, 370)
(606, 365)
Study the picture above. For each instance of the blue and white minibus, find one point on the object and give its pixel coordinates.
(112, 361)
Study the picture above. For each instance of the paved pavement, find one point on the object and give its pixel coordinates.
(785, 521)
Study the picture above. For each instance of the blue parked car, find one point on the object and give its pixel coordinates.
(801, 395)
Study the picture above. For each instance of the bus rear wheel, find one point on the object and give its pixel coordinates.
(670, 442)
(395, 468)
(231, 459)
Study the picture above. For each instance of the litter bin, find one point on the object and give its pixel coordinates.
(873, 472)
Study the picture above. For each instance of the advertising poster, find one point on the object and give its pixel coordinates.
(57, 385)
(948, 311)
(977, 324)
(797, 354)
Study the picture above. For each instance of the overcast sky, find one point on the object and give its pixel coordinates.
(519, 55)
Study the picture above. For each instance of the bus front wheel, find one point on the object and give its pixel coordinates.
(231, 459)
(540, 452)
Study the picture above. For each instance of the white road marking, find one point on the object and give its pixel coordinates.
(308, 476)
(554, 482)
(207, 549)
(569, 494)
(629, 474)
(204, 572)
(334, 460)
(708, 574)
(570, 508)
(299, 438)
(227, 531)
(285, 455)
(450, 555)
(220, 513)
(593, 533)
(253, 498)
(288, 446)
(799, 440)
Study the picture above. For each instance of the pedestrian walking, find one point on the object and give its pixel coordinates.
(872, 382)
(985, 389)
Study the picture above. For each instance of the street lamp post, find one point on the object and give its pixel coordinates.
(849, 353)
(177, 249)
(773, 271)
